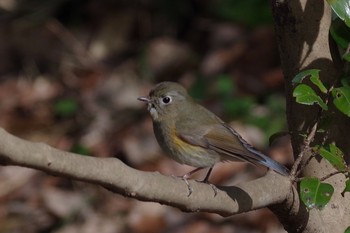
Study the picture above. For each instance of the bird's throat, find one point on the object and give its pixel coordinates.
(154, 114)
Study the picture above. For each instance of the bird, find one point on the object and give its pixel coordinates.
(191, 134)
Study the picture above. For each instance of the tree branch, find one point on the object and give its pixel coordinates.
(114, 175)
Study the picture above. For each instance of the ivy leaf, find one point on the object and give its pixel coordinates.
(315, 194)
(314, 78)
(303, 74)
(317, 81)
(340, 33)
(304, 94)
(342, 9)
(333, 155)
(341, 100)
(347, 187)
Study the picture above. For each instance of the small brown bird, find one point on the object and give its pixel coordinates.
(190, 134)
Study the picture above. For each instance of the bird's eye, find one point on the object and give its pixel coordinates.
(166, 99)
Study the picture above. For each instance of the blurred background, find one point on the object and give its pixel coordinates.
(70, 73)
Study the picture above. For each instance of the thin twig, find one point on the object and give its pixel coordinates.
(296, 179)
(305, 164)
(306, 148)
(330, 175)
(295, 172)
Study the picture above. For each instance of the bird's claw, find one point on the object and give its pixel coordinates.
(215, 189)
(185, 178)
(190, 189)
(205, 181)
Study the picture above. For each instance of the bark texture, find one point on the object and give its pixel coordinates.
(111, 173)
(302, 29)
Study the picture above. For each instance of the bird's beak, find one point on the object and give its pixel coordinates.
(144, 99)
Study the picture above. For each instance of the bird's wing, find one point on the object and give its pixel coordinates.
(225, 141)
(217, 138)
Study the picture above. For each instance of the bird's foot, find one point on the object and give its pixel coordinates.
(206, 181)
(185, 178)
(190, 189)
(215, 189)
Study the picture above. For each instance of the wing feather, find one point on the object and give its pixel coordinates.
(225, 141)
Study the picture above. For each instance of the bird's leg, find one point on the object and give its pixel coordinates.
(187, 175)
(206, 181)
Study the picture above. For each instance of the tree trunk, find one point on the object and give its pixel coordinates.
(302, 29)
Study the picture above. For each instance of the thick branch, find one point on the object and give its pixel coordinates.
(114, 175)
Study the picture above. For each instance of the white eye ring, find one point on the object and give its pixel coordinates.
(166, 100)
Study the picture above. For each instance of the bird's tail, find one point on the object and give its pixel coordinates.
(268, 162)
(259, 158)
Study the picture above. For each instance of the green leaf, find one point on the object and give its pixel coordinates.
(340, 33)
(346, 56)
(341, 100)
(305, 95)
(342, 9)
(314, 78)
(347, 188)
(347, 230)
(66, 107)
(333, 155)
(303, 74)
(315, 194)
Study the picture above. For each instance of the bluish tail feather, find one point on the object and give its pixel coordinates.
(275, 166)
(270, 163)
